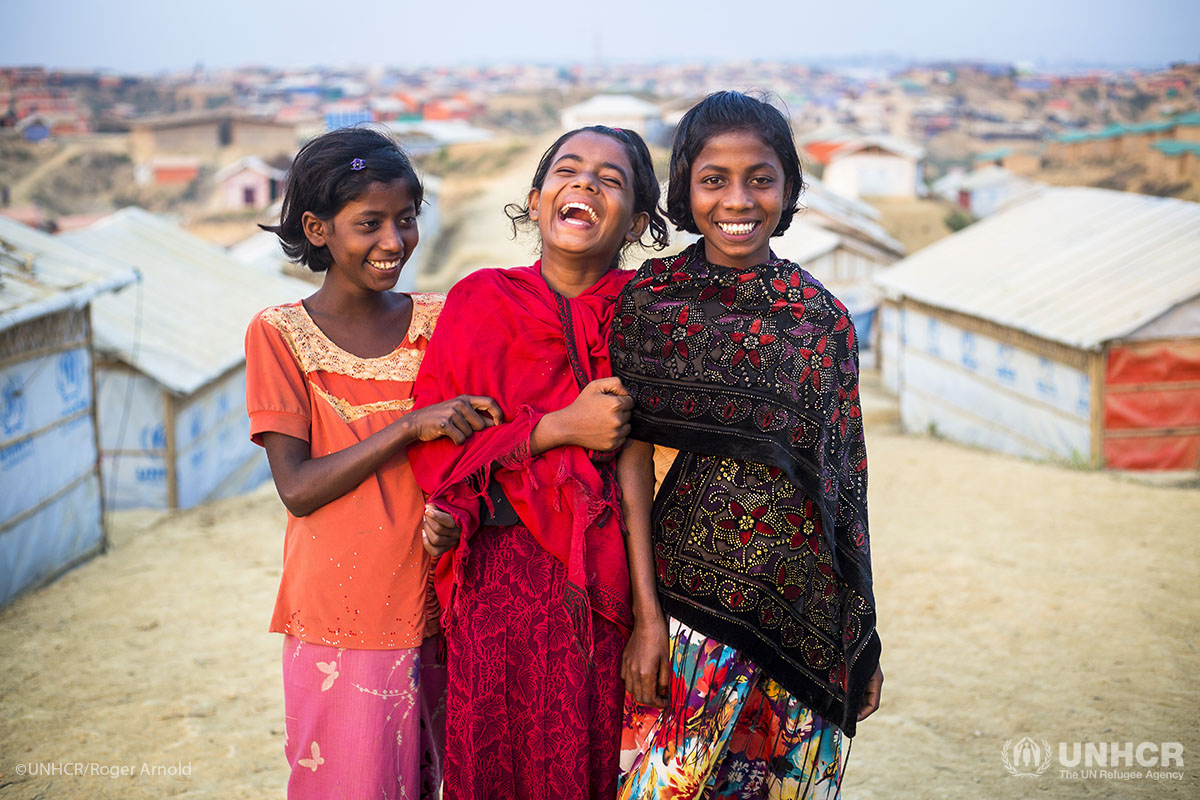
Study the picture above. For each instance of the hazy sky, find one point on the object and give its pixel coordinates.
(153, 35)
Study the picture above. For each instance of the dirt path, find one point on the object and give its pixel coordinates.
(1016, 599)
(22, 189)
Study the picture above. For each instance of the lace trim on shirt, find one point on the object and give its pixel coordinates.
(315, 352)
(350, 412)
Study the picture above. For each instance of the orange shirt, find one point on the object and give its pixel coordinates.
(354, 571)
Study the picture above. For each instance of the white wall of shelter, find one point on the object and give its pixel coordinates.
(171, 365)
(50, 510)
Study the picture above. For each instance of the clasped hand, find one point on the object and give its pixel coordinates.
(598, 419)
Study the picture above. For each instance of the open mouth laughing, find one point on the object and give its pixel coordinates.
(384, 266)
(579, 214)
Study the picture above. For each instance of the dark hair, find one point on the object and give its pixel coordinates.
(330, 171)
(645, 184)
(730, 112)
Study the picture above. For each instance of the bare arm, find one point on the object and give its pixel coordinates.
(306, 483)
(870, 701)
(645, 665)
(597, 419)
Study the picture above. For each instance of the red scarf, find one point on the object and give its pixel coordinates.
(501, 334)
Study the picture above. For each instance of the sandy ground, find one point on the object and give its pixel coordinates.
(1016, 599)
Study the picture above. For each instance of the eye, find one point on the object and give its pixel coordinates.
(711, 180)
(612, 180)
(763, 180)
(369, 224)
(408, 222)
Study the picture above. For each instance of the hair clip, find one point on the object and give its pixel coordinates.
(357, 164)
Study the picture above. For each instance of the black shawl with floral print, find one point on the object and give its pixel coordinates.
(760, 528)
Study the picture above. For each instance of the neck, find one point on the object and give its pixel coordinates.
(338, 298)
(715, 257)
(572, 277)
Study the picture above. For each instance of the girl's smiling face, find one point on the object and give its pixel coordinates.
(737, 194)
(370, 238)
(584, 207)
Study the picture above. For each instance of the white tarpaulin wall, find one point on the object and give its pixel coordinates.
(976, 389)
(132, 439)
(889, 345)
(213, 455)
(176, 434)
(50, 506)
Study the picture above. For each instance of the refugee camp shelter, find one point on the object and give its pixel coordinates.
(1065, 327)
(50, 508)
(616, 111)
(170, 364)
(880, 166)
(841, 243)
(249, 183)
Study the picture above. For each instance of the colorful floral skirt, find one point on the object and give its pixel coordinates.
(363, 723)
(729, 731)
(529, 713)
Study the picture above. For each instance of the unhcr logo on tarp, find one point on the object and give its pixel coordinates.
(70, 377)
(12, 407)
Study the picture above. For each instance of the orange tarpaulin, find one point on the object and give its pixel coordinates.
(1155, 388)
(1178, 452)
(1163, 408)
(1153, 362)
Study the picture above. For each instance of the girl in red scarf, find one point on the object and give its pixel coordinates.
(536, 591)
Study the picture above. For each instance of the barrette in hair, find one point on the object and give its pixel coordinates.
(357, 164)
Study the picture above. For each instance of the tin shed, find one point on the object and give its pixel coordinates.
(50, 508)
(170, 364)
(1066, 326)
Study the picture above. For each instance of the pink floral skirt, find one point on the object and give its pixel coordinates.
(363, 723)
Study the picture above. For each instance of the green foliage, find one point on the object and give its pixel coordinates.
(958, 219)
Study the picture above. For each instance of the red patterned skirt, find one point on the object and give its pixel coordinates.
(528, 714)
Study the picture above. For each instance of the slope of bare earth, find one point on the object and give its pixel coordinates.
(1016, 599)
(916, 222)
(475, 232)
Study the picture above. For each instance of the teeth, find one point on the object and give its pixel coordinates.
(737, 228)
(384, 265)
(581, 206)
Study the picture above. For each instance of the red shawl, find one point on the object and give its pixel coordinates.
(504, 333)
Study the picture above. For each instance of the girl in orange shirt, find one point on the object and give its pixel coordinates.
(329, 394)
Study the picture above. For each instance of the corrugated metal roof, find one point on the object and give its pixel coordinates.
(900, 147)
(803, 242)
(40, 274)
(1176, 147)
(195, 302)
(260, 250)
(853, 216)
(1074, 265)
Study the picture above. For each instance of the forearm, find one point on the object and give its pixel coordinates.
(635, 473)
(547, 434)
(598, 419)
(306, 484)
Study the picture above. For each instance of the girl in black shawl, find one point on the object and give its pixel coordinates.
(754, 648)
